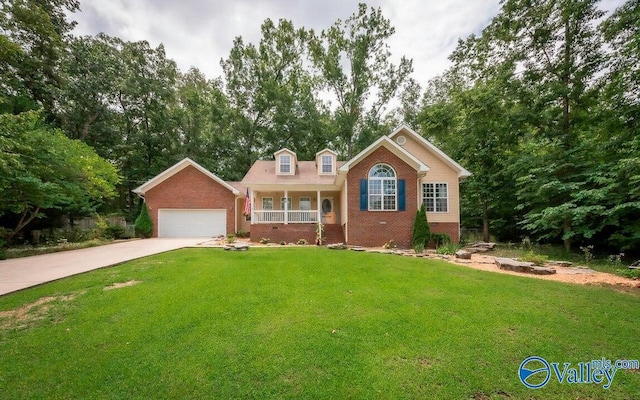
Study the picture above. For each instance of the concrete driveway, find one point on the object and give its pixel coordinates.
(20, 273)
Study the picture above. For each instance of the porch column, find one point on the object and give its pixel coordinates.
(253, 206)
(286, 207)
(318, 207)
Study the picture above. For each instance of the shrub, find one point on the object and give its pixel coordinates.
(2, 255)
(100, 228)
(537, 259)
(447, 248)
(421, 231)
(629, 273)
(302, 242)
(75, 235)
(144, 225)
(418, 248)
(441, 239)
(114, 232)
(242, 234)
(586, 251)
(231, 238)
(282, 243)
(264, 240)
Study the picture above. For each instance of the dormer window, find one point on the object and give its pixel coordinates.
(285, 164)
(327, 164)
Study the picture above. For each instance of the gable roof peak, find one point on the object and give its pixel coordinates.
(385, 141)
(326, 150)
(284, 150)
(174, 169)
(462, 172)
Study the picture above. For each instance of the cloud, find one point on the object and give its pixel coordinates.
(200, 33)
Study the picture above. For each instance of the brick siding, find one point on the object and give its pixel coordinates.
(190, 189)
(289, 233)
(375, 228)
(450, 228)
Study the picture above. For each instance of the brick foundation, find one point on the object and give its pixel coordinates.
(289, 233)
(450, 228)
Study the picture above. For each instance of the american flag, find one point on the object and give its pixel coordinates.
(247, 204)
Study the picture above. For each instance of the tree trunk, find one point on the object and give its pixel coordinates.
(566, 227)
(85, 126)
(485, 221)
(566, 78)
(24, 221)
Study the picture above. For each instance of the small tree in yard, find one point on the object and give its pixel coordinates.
(144, 225)
(421, 232)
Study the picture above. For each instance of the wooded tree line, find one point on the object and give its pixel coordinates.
(542, 108)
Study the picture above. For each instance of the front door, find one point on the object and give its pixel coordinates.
(328, 212)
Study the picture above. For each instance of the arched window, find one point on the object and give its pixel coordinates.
(383, 193)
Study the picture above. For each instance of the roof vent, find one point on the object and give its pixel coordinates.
(401, 140)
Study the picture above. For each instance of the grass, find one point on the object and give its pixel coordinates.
(307, 323)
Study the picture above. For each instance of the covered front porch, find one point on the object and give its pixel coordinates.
(295, 207)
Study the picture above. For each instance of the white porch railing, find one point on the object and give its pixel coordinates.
(303, 216)
(278, 216)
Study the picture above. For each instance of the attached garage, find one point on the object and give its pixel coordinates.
(186, 200)
(191, 223)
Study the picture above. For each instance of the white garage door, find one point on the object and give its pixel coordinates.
(191, 223)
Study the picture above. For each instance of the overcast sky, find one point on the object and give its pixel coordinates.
(200, 32)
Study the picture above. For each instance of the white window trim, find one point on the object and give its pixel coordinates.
(369, 179)
(434, 198)
(289, 203)
(322, 164)
(263, 207)
(300, 203)
(281, 164)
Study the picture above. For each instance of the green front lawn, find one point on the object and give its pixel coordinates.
(308, 323)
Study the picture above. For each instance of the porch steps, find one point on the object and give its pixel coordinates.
(333, 234)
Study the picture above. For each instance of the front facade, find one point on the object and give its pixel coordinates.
(365, 201)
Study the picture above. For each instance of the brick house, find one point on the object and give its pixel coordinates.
(367, 200)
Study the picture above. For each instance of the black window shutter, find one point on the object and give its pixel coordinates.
(363, 195)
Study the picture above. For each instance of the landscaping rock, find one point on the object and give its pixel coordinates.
(525, 267)
(482, 246)
(357, 248)
(563, 264)
(635, 265)
(337, 246)
(237, 247)
(463, 254)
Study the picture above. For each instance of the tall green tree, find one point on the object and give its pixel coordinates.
(144, 95)
(33, 39)
(273, 98)
(203, 123)
(354, 61)
(41, 169)
(558, 49)
(618, 139)
(93, 67)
